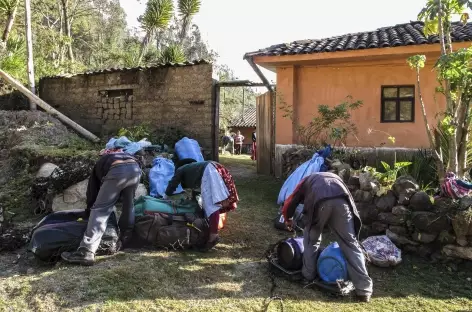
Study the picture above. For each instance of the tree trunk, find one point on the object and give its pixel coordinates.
(10, 22)
(29, 47)
(144, 45)
(463, 136)
(67, 29)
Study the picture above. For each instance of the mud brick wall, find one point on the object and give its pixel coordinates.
(104, 102)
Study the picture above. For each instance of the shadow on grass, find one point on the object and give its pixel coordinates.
(235, 271)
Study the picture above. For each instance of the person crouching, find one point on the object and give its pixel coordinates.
(218, 191)
(116, 174)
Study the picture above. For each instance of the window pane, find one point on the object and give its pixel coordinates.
(407, 92)
(390, 111)
(390, 92)
(406, 110)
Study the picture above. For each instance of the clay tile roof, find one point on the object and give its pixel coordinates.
(124, 69)
(393, 36)
(248, 120)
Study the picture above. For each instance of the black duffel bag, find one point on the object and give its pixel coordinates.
(63, 231)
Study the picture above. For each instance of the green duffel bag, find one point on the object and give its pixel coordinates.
(146, 205)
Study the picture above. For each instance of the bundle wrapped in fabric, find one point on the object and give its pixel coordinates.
(188, 149)
(381, 251)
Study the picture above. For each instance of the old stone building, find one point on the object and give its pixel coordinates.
(169, 95)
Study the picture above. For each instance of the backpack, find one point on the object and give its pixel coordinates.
(169, 224)
(63, 231)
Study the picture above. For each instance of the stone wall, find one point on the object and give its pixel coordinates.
(435, 227)
(163, 97)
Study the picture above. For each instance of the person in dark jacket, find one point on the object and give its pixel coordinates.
(254, 146)
(115, 175)
(327, 201)
(215, 184)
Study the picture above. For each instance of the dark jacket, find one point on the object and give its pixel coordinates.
(99, 171)
(254, 136)
(314, 190)
(188, 176)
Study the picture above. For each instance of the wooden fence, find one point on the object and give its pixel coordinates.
(265, 133)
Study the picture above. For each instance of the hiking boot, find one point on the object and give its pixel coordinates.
(82, 257)
(363, 298)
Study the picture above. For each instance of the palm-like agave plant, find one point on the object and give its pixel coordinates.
(156, 17)
(8, 8)
(172, 54)
(187, 10)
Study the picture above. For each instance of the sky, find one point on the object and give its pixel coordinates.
(233, 28)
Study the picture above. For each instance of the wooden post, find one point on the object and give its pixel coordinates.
(29, 48)
(48, 108)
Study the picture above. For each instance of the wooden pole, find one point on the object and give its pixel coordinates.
(48, 108)
(29, 48)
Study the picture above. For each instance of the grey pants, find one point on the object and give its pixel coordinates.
(230, 147)
(336, 213)
(121, 180)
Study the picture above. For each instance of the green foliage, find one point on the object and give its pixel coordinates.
(172, 54)
(387, 178)
(8, 6)
(157, 15)
(416, 61)
(136, 133)
(423, 169)
(168, 135)
(332, 124)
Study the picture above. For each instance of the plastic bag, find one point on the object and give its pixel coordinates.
(188, 148)
(381, 251)
(160, 174)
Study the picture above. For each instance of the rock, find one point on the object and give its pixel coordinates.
(345, 174)
(444, 205)
(46, 170)
(354, 181)
(462, 225)
(465, 202)
(398, 239)
(410, 249)
(30, 271)
(141, 191)
(368, 183)
(379, 228)
(336, 164)
(367, 212)
(405, 185)
(458, 252)
(400, 211)
(425, 238)
(363, 196)
(430, 222)
(446, 238)
(425, 251)
(404, 199)
(386, 202)
(391, 219)
(399, 230)
(420, 201)
(75, 197)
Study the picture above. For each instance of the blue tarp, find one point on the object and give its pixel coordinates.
(128, 146)
(315, 164)
(160, 174)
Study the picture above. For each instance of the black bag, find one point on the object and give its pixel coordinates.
(171, 231)
(63, 231)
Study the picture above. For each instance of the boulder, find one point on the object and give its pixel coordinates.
(46, 170)
(424, 238)
(462, 225)
(458, 252)
(391, 219)
(446, 238)
(368, 183)
(379, 228)
(367, 211)
(399, 230)
(386, 202)
(430, 222)
(399, 240)
(354, 181)
(75, 197)
(345, 174)
(444, 205)
(404, 199)
(405, 185)
(400, 211)
(363, 196)
(336, 164)
(465, 202)
(420, 201)
(425, 250)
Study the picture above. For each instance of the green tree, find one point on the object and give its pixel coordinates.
(156, 17)
(454, 75)
(187, 10)
(172, 54)
(8, 8)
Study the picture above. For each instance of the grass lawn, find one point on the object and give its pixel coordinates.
(232, 277)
